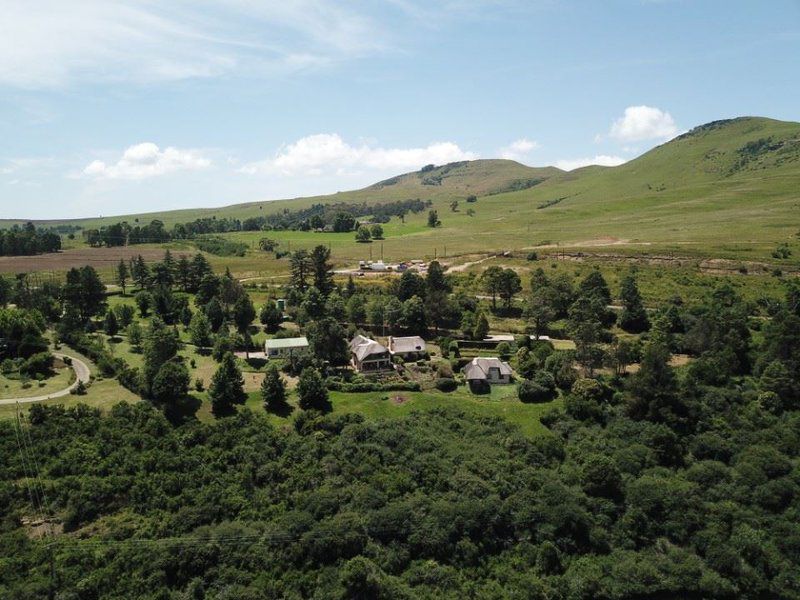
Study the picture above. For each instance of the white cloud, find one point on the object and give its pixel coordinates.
(52, 43)
(641, 123)
(329, 153)
(519, 149)
(147, 160)
(603, 160)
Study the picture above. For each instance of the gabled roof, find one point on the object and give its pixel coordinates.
(363, 347)
(295, 342)
(412, 343)
(479, 367)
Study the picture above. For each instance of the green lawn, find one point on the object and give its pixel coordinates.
(501, 402)
(13, 388)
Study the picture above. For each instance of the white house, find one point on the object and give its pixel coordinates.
(407, 347)
(488, 370)
(368, 355)
(285, 347)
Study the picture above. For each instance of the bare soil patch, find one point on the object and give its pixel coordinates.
(398, 400)
(99, 258)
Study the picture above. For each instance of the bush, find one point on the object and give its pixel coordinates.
(40, 363)
(532, 256)
(504, 350)
(446, 384)
(542, 388)
(454, 350)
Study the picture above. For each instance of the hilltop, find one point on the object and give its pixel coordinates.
(726, 188)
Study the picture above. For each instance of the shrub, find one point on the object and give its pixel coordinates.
(446, 384)
(504, 350)
(532, 256)
(537, 390)
(454, 349)
(40, 363)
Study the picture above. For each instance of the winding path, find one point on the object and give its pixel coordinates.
(82, 373)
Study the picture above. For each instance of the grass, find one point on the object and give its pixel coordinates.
(690, 197)
(13, 388)
(501, 402)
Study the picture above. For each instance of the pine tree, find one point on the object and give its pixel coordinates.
(122, 275)
(111, 325)
(322, 269)
(227, 388)
(634, 316)
(200, 330)
(273, 390)
(481, 329)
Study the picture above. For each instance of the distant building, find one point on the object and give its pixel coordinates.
(487, 370)
(412, 347)
(368, 355)
(285, 347)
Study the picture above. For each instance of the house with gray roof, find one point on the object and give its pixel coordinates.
(285, 347)
(487, 370)
(368, 355)
(411, 347)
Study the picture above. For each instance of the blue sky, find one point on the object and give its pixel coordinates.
(134, 105)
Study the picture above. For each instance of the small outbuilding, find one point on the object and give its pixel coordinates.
(410, 347)
(285, 347)
(487, 370)
(368, 355)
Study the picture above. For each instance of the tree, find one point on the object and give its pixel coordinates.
(491, 280)
(326, 338)
(215, 314)
(363, 235)
(270, 316)
(393, 313)
(433, 219)
(311, 390)
(5, 292)
(267, 245)
(125, 314)
(335, 307)
(322, 269)
(243, 313)
(654, 389)
(273, 390)
(509, 284)
(481, 329)
(634, 316)
(414, 318)
(207, 288)
(200, 330)
(595, 285)
(135, 335)
(227, 388)
(140, 272)
(160, 346)
(410, 284)
(301, 266)
(539, 310)
(376, 231)
(472, 198)
(183, 273)
(171, 383)
(144, 301)
(122, 275)
(84, 292)
(110, 324)
(356, 311)
(435, 280)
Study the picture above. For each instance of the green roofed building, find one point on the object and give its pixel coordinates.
(285, 347)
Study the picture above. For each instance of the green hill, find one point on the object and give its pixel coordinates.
(727, 188)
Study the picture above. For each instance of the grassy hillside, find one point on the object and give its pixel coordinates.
(725, 189)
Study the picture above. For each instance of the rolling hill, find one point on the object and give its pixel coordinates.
(726, 188)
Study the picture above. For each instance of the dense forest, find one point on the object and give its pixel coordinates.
(27, 240)
(658, 484)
